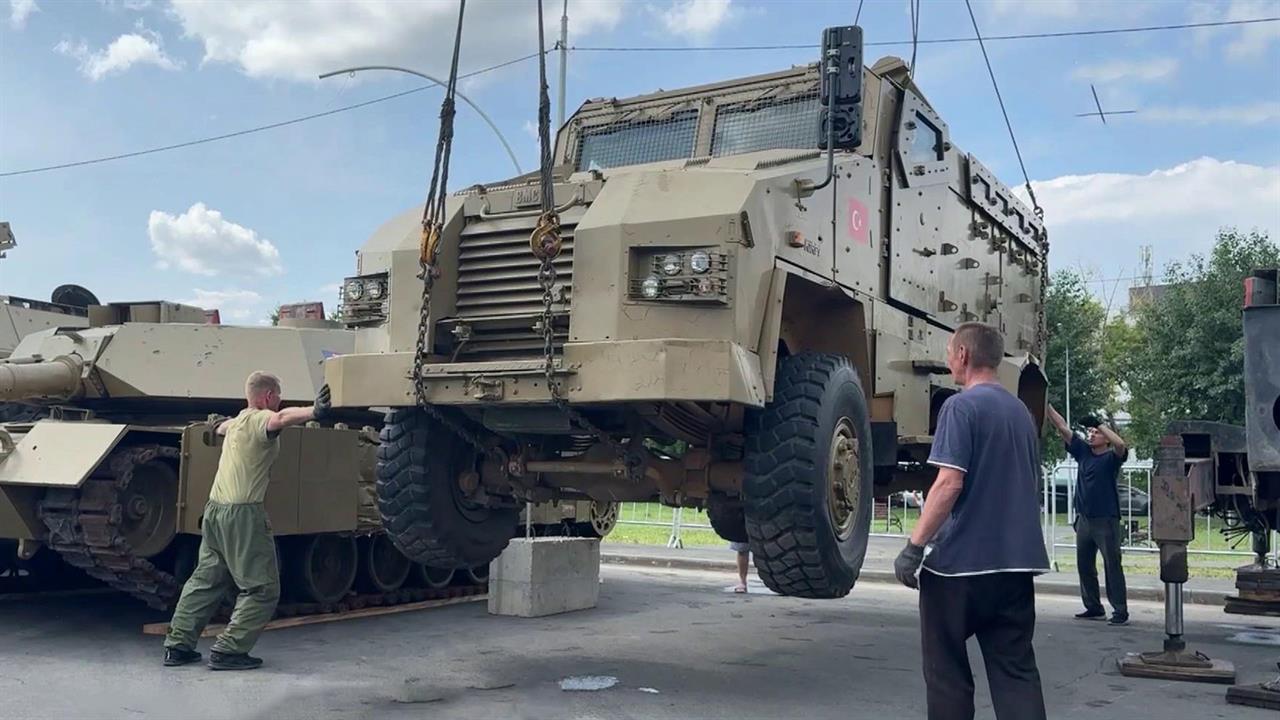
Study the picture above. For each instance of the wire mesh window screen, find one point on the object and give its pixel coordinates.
(640, 142)
(751, 126)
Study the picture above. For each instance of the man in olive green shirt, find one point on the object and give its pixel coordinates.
(236, 547)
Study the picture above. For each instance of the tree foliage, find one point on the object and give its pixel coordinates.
(1185, 358)
(1075, 320)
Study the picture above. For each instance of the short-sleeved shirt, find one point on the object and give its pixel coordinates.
(247, 454)
(987, 433)
(1096, 473)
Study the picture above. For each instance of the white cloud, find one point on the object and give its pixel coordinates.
(300, 39)
(695, 18)
(141, 48)
(1246, 42)
(231, 304)
(202, 242)
(1251, 114)
(1046, 8)
(19, 11)
(1106, 217)
(1151, 70)
(134, 5)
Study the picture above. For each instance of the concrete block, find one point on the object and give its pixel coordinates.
(545, 576)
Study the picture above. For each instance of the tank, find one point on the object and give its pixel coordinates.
(114, 480)
(771, 297)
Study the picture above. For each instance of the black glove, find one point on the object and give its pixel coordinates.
(908, 564)
(323, 404)
(210, 433)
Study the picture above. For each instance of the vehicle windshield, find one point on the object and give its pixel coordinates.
(740, 127)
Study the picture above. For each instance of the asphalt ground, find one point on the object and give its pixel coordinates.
(675, 643)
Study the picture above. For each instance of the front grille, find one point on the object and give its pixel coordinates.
(498, 275)
(499, 302)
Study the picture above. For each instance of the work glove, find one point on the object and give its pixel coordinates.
(323, 404)
(908, 564)
(210, 433)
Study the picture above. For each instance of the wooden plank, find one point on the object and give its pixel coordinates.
(1253, 696)
(299, 620)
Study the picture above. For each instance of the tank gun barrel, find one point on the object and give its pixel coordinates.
(26, 380)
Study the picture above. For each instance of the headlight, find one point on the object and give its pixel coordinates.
(374, 289)
(700, 262)
(355, 290)
(671, 264)
(651, 287)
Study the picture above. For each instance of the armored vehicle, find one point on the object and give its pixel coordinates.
(722, 285)
(115, 479)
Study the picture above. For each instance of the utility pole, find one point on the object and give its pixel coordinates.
(564, 60)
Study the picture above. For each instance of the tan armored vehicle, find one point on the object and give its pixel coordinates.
(116, 479)
(723, 282)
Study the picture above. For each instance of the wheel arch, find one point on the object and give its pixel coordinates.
(799, 318)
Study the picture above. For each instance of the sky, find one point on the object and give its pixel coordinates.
(258, 220)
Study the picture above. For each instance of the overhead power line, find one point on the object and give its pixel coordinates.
(934, 41)
(1031, 194)
(259, 128)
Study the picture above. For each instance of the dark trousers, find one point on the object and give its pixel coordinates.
(1000, 609)
(1092, 535)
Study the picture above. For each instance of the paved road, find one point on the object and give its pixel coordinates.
(706, 652)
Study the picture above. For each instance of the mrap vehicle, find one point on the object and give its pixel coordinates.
(765, 292)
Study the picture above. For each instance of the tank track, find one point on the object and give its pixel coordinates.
(84, 528)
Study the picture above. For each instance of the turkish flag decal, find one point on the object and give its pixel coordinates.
(859, 222)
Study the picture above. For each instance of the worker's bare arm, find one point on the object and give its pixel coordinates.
(288, 417)
(1059, 424)
(937, 508)
(1117, 442)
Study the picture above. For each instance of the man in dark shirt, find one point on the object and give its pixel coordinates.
(981, 522)
(1098, 459)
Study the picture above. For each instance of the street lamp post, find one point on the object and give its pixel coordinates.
(425, 76)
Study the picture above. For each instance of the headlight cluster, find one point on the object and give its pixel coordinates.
(372, 288)
(688, 275)
(364, 299)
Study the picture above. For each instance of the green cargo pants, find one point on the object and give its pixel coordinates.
(237, 548)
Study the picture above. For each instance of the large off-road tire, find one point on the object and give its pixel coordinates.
(808, 478)
(17, 412)
(727, 517)
(424, 509)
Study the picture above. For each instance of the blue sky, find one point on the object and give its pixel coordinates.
(274, 217)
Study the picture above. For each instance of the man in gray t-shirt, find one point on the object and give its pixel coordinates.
(981, 522)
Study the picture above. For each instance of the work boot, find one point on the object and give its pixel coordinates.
(233, 661)
(1091, 615)
(175, 656)
(1118, 619)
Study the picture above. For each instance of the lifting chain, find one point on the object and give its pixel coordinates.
(545, 243)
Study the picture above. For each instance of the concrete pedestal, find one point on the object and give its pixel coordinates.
(545, 576)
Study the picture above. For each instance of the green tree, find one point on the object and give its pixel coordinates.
(1188, 358)
(1075, 320)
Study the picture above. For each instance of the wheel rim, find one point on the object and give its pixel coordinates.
(385, 567)
(844, 478)
(330, 567)
(603, 517)
(149, 509)
(436, 578)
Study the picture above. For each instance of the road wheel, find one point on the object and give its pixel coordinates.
(478, 575)
(431, 577)
(323, 567)
(424, 509)
(808, 478)
(383, 568)
(727, 517)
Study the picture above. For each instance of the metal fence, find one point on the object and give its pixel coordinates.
(896, 516)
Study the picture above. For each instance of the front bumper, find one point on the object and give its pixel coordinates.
(604, 372)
